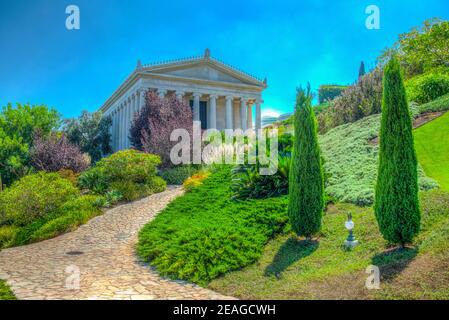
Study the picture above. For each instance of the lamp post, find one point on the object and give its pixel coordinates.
(350, 242)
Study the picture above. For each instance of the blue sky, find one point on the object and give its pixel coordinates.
(289, 42)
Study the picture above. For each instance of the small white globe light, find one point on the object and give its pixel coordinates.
(349, 224)
(350, 242)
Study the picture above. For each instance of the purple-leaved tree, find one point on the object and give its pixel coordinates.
(54, 152)
(153, 124)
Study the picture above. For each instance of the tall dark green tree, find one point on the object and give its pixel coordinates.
(361, 70)
(396, 204)
(306, 185)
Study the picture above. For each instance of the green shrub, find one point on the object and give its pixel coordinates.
(285, 144)
(130, 165)
(112, 197)
(306, 184)
(68, 217)
(327, 93)
(130, 191)
(427, 87)
(439, 104)
(178, 174)
(94, 179)
(248, 183)
(204, 234)
(157, 184)
(69, 175)
(396, 204)
(7, 234)
(5, 292)
(34, 196)
(129, 172)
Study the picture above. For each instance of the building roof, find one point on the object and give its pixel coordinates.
(206, 59)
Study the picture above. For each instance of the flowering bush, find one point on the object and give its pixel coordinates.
(195, 180)
(54, 153)
(153, 124)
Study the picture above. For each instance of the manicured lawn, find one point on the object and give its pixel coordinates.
(5, 292)
(293, 269)
(432, 148)
(204, 233)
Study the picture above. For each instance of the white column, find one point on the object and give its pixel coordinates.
(243, 121)
(141, 99)
(122, 126)
(180, 95)
(135, 103)
(130, 113)
(120, 130)
(228, 116)
(112, 115)
(258, 115)
(196, 106)
(250, 115)
(125, 122)
(133, 110)
(116, 129)
(213, 112)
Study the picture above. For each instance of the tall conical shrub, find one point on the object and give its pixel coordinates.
(306, 187)
(361, 70)
(396, 204)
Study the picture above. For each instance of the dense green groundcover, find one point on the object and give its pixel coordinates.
(204, 233)
(351, 157)
(5, 292)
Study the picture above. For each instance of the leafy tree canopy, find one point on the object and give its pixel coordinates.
(422, 48)
(17, 128)
(90, 131)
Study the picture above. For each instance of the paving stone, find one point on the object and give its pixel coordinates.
(108, 267)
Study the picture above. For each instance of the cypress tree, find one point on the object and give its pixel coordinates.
(361, 70)
(396, 203)
(306, 185)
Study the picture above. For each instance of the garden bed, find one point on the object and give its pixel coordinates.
(204, 233)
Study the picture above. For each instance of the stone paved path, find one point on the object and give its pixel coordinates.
(108, 266)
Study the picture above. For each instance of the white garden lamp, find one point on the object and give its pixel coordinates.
(350, 242)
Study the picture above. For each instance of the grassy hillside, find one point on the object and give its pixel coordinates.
(351, 161)
(432, 147)
(323, 269)
(351, 156)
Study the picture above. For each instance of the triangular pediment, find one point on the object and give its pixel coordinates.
(206, 70)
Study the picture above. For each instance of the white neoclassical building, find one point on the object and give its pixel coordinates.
(221, 97)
